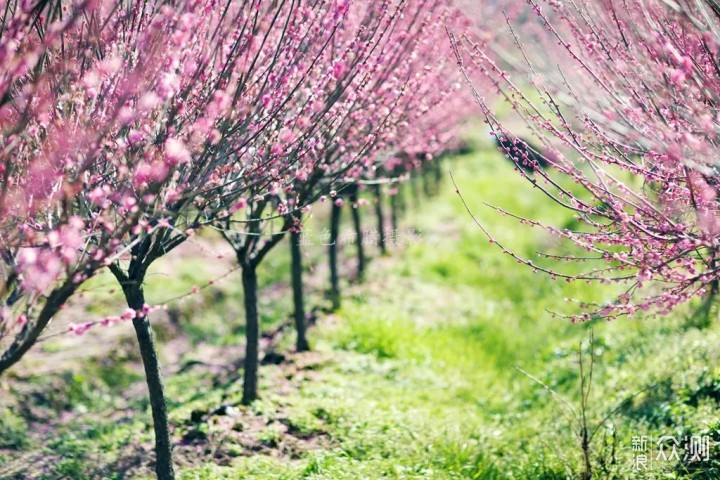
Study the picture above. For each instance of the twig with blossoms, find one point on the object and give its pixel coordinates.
(639, 141)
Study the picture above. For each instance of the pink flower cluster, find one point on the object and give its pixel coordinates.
(629, 115)
(138, 127)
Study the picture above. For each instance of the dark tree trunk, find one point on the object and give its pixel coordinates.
(163, 444)
(301, 343)
(31, 331)
(252, 333)
(358, 237)
(382, 243)
(702, 317)
(437, 164)
(415, 185)
(401, 198)
(425, 174)
(333, 256)
(394, 210)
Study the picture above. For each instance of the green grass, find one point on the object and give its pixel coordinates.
(417, 377)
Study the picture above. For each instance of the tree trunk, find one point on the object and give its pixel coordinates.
(252, 334)
(382, 243)
(333, 256)
(358, 237)
(437, 163)
(301, 343)
(401, 200)
(702, 317)
(163, 444)
(31, 331)
(587, 473)
(415, 185)
(394, 210)
(425, 174)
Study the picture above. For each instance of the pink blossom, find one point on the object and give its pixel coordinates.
(149, 101)
(339, 69)
(176, 152)
(677, 76)
(110, 321)
(80, 329)
(98, 196)
(240, 204)
(277, 149)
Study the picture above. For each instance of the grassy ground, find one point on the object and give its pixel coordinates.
(445, 364)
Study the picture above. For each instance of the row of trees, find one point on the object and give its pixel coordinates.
(128, 126)
(623, 97)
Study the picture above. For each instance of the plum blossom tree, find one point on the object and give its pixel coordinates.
(420, 87)
(128, 126)
(628, 112)
(332, 135)
(55, 132)
(216, 110)
(86, 175)
(156, 152)
(29, 193)
(303, 149)
(78, 179)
